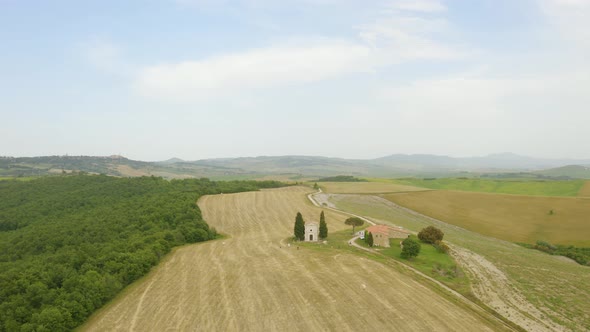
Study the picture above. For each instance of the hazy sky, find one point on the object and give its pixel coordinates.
(359, 79)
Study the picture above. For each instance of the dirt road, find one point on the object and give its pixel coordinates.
(252, 282)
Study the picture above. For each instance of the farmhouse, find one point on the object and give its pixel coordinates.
(311, 231)
(382, 234)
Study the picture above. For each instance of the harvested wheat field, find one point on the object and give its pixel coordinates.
(253, 282)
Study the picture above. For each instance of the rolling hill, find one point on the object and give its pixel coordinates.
(572, 171)
(299, 167)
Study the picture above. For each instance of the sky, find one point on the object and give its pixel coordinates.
(198, 79)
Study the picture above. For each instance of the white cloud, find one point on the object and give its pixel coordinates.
(419, 5)
(546, 100)
(265, 67)
(388, 39)
(410, 38)
(102, 54)
(106, 56)
(571, 18)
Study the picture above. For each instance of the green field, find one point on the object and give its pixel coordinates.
(21, 178)
(516, 187)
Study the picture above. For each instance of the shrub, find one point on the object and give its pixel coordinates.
(441, 247)
(430, 234)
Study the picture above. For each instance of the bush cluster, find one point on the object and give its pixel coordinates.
(430, 235)
(580, 255)
(440, 246)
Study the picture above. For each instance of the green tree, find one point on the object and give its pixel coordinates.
(299, 229)
(315, 186)
(430, 235)
(323, 226)
(369, 238)
(354, 221)
(411, 248)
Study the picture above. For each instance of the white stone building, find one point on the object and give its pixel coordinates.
(312, 231)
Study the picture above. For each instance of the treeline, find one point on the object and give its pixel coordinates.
(69, 244)
(341, 178)
(580, 255)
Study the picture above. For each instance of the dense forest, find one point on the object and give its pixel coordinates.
(68, 244)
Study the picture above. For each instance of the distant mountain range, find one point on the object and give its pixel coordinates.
(299, 167)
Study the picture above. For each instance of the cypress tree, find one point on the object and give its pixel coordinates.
(323, 226)
(299, 229)
(370, 239)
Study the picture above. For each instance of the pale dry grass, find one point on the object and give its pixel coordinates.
(366, 187)
(253, 282)
(127, 170)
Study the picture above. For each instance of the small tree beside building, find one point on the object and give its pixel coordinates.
(354, 221)
(299, 229)
(411, 248)
(323, 226)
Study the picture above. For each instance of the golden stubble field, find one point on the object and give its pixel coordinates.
(509, 217)
(253, 282)
(585, 190)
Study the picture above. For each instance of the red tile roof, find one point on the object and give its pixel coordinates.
(384, 229)
(381, 229)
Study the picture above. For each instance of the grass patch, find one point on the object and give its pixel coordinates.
(18, 178)
(433, 263)
(516, 187)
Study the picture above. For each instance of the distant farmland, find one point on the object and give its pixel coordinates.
(366, 187)
(517, 187)
(508, 217)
